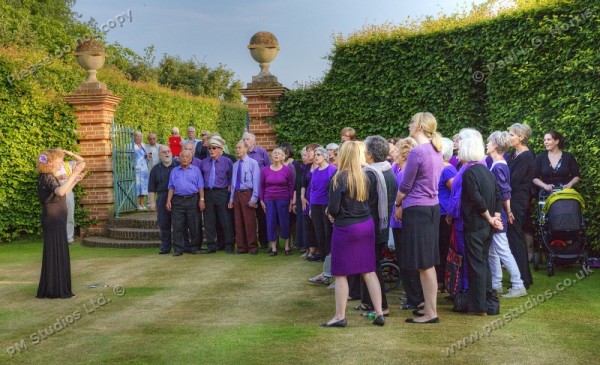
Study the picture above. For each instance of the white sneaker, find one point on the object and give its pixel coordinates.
(331, 286)
(515, 293)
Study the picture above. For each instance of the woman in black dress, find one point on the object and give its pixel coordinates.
(554, 167)
(55, 279)
(520, 162)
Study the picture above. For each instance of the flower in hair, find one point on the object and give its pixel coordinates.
(42, 158)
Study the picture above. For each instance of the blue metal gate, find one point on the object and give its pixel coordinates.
(123, 168)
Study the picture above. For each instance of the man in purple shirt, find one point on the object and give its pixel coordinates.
(244, 198)
(185, 189)
(261, 156)
(217, 172)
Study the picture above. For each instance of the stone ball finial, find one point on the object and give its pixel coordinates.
(90, 55)
(263, 39)
(263, 49)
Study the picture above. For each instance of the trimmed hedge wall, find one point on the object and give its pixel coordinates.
(34, 116)
(538, 66)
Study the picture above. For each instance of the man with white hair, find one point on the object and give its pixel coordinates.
(191, 132)
(152, 151)
(158, 184)
(261, 156)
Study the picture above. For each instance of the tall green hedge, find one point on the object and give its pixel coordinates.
(538, 66)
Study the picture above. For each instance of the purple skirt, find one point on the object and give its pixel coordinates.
(353, 249)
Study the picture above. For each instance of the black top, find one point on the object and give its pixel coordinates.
(343, 208)
(479, 193)
(566, 169)
(158, 182)
(201, 151)
(521, 174)
(381, 235)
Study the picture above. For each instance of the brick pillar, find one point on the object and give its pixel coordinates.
(260, 101)
(94, 107)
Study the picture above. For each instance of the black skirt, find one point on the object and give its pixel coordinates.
(420, 236)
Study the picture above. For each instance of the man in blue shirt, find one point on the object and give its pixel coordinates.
(185, 198)
(243, 199)
(217, 170)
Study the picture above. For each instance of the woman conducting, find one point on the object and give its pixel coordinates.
(55, 279)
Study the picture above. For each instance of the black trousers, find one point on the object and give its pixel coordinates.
(215, 201)
(323, 227)
(477, 247)
(185, 214)
(444, 245)
(164, 222)
(518, 246)
(261, 219)
(365, 297)
(411, 281)
(309, 232)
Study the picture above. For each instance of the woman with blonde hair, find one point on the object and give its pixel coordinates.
(353, 239)
(417, 206)
(55, 279)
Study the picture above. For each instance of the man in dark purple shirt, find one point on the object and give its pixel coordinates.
(261, 156)
(217, 170)
(185, 190)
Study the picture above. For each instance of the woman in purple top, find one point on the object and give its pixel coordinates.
(498, 144)
(309, 160)
(276, 198)
(444, 186)
(418, 208)
(319, 200)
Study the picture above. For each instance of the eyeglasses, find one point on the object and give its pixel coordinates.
(318, 154)
(214, 148)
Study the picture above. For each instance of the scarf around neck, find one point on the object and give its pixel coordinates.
(378, 168)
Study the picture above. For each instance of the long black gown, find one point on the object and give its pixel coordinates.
(55, 279)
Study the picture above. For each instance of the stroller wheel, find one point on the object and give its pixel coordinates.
(550, 269)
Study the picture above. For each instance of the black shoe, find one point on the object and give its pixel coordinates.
(417, 313)
(210, 250)
(407, 306)
(379, 321)
(340, 323)
(178, 254)
(433, 320)
(195, 252)
(273, 253)
(163, 252)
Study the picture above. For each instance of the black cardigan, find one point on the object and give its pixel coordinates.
(479, 193)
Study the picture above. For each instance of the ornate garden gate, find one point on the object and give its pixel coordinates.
(123, 168)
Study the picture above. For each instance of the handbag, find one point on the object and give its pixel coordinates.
(461, 301)
(454, 263)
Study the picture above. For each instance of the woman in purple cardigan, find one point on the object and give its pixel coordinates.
(276, 198)
(418, 208)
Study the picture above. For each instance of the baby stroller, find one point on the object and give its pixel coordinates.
(390, 269)
(560, 229)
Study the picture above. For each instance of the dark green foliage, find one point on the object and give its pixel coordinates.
(539, 66)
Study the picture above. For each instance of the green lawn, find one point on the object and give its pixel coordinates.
(223, 309)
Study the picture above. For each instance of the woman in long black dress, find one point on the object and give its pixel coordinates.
(55, 279)
(521, 165)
